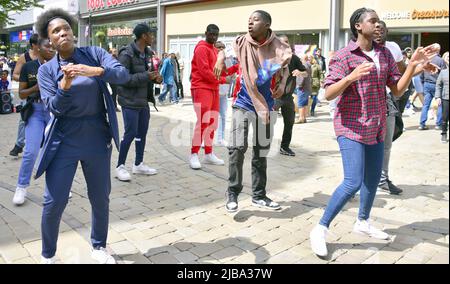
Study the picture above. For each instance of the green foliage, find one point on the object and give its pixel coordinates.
(7, 6)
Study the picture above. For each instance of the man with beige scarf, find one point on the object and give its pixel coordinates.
(263, 60)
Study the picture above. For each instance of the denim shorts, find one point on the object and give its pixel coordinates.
(417, 82)
(303, 97)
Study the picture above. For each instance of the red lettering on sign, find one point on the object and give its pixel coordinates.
(95, 4)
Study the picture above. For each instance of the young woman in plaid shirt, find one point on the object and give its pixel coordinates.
(358, 76)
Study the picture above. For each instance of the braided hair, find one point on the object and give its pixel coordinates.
(357, 18)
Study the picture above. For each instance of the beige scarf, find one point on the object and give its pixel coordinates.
(251, 55)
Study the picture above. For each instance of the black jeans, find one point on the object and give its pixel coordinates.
(262, 137)
(403, 100)
(288, 112)
(445, 115)
(114, 93)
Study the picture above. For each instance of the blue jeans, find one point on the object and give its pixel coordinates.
(173, 93)
(429, 90)
(314, 103)
(136, 122)
(362, 171)
(20, 142)
(34, 131)
(223, 104)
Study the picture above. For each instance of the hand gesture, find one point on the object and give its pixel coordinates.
(423, 55)
(82, 70)
(361, 71)
(69, 75)
(432, 68)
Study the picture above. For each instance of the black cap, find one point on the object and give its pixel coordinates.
(141, 29)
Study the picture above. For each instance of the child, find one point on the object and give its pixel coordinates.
(5, 83)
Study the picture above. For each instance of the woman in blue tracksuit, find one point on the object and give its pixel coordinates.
(73, 88)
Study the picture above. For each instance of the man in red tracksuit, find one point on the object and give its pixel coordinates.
(205, 95)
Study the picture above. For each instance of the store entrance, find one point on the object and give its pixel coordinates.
(441, 38)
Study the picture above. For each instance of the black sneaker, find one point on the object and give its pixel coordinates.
(287, 152)
(16, 151)
(266, 203)
(232, 203)
(423, 127)
(392, 188)
(444, 138)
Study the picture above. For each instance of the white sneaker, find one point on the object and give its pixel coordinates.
(144, 170)
(122, 174)
(19, 196)
(410, 112)
(363, 227)
(102, 256)
(212, 159)
(194, 162)
(45, 260)
(318, 241)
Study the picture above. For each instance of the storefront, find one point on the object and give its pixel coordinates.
(19, 41)
(20, 31)
(302, 21)
(110, 23)
(412, 24)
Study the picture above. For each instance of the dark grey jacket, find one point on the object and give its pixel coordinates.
(442, 85)
(135, 93)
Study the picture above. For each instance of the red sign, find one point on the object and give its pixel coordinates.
(120, 32)
(105, 4)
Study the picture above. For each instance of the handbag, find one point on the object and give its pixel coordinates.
(27, 111)
(398, 131)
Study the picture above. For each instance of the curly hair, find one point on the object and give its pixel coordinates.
(45, 18)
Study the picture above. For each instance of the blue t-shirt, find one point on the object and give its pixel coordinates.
(245, 102)
(264, 82)
(87, 98)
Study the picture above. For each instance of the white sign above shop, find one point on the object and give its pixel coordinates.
(105, 4)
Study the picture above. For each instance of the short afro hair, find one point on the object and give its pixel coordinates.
(45, 18)
(265, 16)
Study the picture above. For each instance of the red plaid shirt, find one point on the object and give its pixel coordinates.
(361, 109)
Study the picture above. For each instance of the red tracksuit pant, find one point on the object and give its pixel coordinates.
(206, 106)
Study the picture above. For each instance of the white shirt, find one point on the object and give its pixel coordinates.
(395, 50)
(372, 54)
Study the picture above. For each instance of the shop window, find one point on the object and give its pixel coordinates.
(403, 40)
(119, 34)
(303, 42)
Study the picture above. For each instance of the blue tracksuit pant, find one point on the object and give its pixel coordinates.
(86, 140)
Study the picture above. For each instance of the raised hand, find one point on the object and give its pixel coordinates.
(423, 55)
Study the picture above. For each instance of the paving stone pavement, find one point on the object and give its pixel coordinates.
(178, 215)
